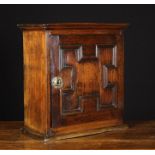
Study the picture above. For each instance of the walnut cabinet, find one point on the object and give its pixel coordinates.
(73, 77)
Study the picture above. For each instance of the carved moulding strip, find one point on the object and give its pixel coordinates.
(82, 57)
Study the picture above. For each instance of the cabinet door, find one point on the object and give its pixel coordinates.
(89, 74)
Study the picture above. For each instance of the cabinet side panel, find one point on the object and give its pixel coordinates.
(36, 82)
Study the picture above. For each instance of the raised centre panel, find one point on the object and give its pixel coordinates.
(90, 78)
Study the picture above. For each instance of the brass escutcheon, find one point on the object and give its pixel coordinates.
(57, 82)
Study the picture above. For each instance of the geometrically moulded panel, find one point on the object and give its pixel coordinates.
(109, 78)
(70, 56)
(70, 102)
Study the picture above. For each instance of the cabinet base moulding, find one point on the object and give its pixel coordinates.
(75, 131)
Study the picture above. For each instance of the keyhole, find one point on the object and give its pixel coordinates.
(58, 82)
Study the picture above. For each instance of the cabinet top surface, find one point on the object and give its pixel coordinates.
(74, 26)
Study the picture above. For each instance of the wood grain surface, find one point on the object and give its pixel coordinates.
(139, 135)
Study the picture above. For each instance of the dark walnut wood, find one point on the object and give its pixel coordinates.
(139, 136)
(89, 59)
